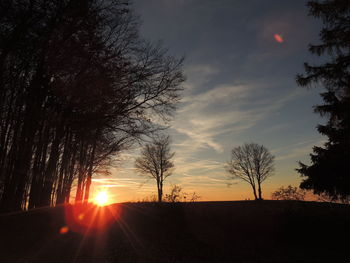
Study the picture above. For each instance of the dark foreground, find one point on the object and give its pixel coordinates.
(267, 231)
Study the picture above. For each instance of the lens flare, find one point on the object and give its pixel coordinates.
(101, 198)
(88, 218)
(278, 38)
(64, 230)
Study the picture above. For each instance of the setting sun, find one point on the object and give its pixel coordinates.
(101, 198)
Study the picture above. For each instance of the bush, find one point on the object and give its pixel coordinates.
(289, 193)
(176, 195)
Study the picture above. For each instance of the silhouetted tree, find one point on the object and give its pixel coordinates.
(289, 193)
(155, 162)
(328, 172)
(177, 194)
(252, 163)
(77, 86)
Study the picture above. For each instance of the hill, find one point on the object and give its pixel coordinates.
(246, 231)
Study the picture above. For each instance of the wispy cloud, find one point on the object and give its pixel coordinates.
(203, 181)
(224, 109)
(186, 165)
(119, 182)
(298, 150)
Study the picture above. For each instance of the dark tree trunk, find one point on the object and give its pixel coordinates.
(50, 173)
(254, 192)
(160, 190)
(259, 191)
(63, 170)
(89, 174)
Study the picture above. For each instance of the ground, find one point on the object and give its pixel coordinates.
(247, 231)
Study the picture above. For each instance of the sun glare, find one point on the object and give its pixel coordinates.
(101, 198)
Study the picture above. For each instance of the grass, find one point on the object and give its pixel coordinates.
(246, 231)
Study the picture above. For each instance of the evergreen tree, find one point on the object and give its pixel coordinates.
(329, 171)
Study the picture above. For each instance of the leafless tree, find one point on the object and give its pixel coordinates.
(155, 162)
(289, 193)
(78, 85)
(175, 194)
(252, 163)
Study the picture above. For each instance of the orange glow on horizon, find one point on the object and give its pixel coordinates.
(278, 38)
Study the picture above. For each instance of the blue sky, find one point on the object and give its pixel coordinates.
(240, 88)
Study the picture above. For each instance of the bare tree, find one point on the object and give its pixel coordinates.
(176, 194)
(78, 85)
(251, 163)
(289, 193)
(155, 162)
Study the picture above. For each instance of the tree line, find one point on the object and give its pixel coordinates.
(77, 86)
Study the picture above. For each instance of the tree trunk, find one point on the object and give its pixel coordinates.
(89, 175)
(259, 191)
(160, 191)
(81, 173)
(254, 191)
(51, 170)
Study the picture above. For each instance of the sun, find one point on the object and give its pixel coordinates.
(101, 198)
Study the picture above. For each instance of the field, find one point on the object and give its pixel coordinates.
(246, 231)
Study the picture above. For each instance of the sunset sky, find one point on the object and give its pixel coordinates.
(241, 58)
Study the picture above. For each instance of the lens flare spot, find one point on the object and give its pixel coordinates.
(101, 198)
(81, 216)
(278, 38)
(64, 230)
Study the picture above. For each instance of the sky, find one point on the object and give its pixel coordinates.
(240, 88)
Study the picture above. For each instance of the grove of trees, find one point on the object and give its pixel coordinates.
(77, 86)
(329, 171)
(252, 163)
(155, 162)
